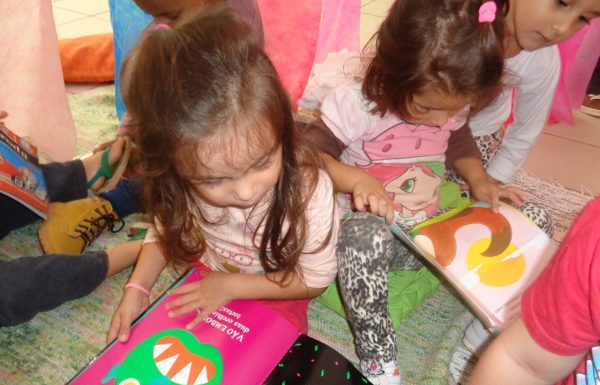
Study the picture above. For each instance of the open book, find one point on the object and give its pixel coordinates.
(489, 258)
(20, 175)
(242, 343)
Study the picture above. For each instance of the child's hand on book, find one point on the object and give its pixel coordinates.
(202, 297)
(490, 191)
(370, 195)
(133, 303)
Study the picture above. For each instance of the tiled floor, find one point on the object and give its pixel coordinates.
(75, 18)
(567, 154)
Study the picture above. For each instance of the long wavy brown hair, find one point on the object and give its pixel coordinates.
(434, 44)
(205, 82)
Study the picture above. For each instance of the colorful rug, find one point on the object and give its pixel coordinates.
(55, 345)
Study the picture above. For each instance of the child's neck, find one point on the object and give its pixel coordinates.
(512, 48)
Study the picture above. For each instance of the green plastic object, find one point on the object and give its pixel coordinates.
(407, 291)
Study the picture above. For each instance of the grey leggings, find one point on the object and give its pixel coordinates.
(366, 252)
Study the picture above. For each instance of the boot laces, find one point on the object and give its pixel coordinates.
(92, 228)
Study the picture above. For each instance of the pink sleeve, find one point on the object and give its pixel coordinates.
(319, 269)
(560, 309)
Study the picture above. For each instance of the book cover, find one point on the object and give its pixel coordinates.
(241, 343)
(489, 258)
(20, 175)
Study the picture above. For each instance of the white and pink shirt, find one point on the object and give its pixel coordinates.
(407, 158)
(232, 246)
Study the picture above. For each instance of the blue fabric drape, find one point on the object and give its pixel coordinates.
(127, 21)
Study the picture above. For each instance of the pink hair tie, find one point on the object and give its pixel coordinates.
(166, 26)
(138, 287)
(487, 12)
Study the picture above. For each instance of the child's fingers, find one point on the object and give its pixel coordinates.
(359, 203)
(184, 307)
(519, 194)
(514, 195)
(201, 315)
(381, 207)
(178, 302)
(389, 215)
(118, 328)
(114, 328)
(184, 295)
(494, 202)
(374, 204)
(124, 332)
(124, 328)
(516, 199)
(184, 289)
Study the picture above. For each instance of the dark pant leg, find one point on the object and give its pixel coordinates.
(14, 215)
(66, 181)
(29, 285)
(125, 197)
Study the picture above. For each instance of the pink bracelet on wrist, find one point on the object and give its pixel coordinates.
(139, 287)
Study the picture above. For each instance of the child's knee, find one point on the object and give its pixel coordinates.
(364, 236)
(540, 216)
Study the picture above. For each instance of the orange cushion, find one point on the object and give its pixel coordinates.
(88, 59)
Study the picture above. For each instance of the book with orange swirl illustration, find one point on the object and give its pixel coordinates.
(489, 257)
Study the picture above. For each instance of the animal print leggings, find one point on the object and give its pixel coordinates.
(366, 252)
(489, 145)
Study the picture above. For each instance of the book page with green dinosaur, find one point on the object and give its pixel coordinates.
(245, 342)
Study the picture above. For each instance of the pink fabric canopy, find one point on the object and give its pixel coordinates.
(300, 33)
(578, 55)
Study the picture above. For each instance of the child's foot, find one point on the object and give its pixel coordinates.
(386, 373)
(591, 105)
(109, 163)
(72, 226)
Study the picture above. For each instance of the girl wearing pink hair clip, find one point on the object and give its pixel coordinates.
(532, 63)
(386, 141)
(533, 28)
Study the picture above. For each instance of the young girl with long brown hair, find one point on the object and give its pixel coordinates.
(228, 182)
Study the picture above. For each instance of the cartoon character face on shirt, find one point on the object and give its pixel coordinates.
(415, 190)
